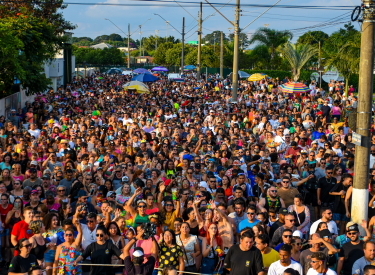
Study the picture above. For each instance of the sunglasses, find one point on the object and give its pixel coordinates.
(142, 206)
(352, 233)
(251, 213)
(287, 236)
(61, 190)
(90, 221)
(99, 235)
(68, 235)
(169, 205)
(28, 245)
(275, 191)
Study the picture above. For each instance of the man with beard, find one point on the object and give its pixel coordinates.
(272, 200)
(327, 218)
(351, 251)
(325, 184)
(239, 212)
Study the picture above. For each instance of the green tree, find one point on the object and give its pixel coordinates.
(243, 39)
(272, 39)
(209, 58)
(36, 28)
(101, 38)
(342, 52)
(115, 37)
(214, 38)
(313, 38)
(160, 56)
(297, 55)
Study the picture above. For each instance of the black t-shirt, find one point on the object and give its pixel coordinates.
(339, 202)
(326, 186)
(20, 264)
(101, 254)
(243, 262)
(274, 227)
(351, 252)
(144, 269)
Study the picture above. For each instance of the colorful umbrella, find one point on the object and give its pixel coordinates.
(257, 77)
(160, 69)
(141, 71)
(146, 78)
(114, 71)
(136, 85)
(190, 67)
(96, 113)
(294, 87)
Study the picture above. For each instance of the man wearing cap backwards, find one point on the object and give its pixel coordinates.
(351, 251)
(367, 259)
(316, 241)
(136, 266)
(343, 239)
(319, 265)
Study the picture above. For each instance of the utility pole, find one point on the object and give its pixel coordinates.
(128, 45)
(222, 55)
(156, 39)
(366, 70)
(199, 60)
(140, 40)
(236, 52)
(183, 45)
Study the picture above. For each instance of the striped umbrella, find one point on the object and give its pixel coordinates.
(294, 87)
(257, 77)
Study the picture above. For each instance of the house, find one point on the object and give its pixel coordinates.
(144, 60)
(101, 46)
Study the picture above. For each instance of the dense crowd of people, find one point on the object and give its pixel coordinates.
(181, 179)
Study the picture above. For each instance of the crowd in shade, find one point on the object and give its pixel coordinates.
(180, 179)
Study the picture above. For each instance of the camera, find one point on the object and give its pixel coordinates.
(150, 230)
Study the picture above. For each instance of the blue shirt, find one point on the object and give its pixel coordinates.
(246, 223)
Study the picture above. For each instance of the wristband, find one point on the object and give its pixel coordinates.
(135, 239)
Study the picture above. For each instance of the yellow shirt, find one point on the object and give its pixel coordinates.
(270, 258)
(336, 126)
(170, 218)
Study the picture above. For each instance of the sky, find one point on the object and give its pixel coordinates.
(90, 17)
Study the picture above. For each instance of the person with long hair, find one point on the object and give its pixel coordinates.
(210, 246)
(302, 214)
(39, 245)
(52, 224)
(189, 216)
(138, 214)
(170, 253)
(117, 239)
(190, 246)
(68, 251)
(17, 189)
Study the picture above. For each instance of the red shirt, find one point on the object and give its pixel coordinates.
(4, 212)
(21, 230)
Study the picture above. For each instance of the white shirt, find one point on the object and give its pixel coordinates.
(312, 271)
(277, 269)
(372, 161)
(332, 227)
(88, 236)
(35, 133)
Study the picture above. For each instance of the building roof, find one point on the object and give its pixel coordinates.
(101, 46)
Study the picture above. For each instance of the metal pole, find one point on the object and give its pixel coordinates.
(128, 45)
(320, 74)
(366, 70)
(183, 45)
(199, 60)
(140, 40)
(222, 55)
(236, 52)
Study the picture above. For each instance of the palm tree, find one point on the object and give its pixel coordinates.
(297, 56)
(272, 39)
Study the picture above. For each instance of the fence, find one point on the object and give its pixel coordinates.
(14, 101)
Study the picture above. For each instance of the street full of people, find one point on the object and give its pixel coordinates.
(98, 179)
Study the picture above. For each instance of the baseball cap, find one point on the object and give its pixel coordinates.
(81, 193)
(34, 162)
(198, 166)
(353, 227)
(125, 179)
(34, 192)
(350, 224)
(283, 211)
(138, 252)
(46, 176)
(298, 233)
(203, 184)
(111, 194)
(236, 162)
(325, 233)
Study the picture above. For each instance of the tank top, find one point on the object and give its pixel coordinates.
(139, 220)
(272, 204)
(195, 230)
(39, 250)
